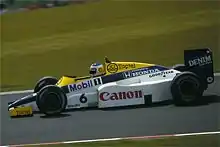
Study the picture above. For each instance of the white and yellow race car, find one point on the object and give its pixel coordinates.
(123, 84)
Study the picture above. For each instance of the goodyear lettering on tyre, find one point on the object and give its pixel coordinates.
(112, 68)
(126, 66)
(163, 73)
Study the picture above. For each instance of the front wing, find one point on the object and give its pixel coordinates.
(21, 111)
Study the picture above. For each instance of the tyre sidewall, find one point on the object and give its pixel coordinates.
(42, 96)
(44, 82)
(178, 97)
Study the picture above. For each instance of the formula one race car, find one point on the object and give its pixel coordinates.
(124, 84)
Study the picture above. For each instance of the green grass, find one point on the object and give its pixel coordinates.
(67, 40)
(189, 141)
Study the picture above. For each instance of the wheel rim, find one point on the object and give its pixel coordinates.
(188, 88)
(52, 102)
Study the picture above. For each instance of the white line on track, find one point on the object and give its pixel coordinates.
(201, 133)
(116, 139)
(108, 139)
(15, 92)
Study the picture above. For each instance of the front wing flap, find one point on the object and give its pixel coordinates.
(21, 111)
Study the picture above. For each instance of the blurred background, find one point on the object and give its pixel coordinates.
(7, 6)
(64, 37)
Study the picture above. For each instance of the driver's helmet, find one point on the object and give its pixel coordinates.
(96, 69)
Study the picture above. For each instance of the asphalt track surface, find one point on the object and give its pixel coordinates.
(94, 124)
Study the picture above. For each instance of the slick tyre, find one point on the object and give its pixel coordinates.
(44, 82)
(51, 100)
(187, 89)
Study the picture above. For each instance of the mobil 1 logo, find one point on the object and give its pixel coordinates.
(97, 81)
(80, 86)
(85, 84)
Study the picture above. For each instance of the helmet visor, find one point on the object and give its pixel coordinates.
(92, 71)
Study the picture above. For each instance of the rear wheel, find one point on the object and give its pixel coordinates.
(44, 82)
(51, 100)
(187, 89)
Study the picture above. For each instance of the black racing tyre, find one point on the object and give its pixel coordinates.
(187, 89)
(51, 100)
(180, 67)
(44, 82)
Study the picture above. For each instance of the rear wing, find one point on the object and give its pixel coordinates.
(200, 61)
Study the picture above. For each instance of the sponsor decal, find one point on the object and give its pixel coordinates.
(97, 81)
(163, 73)
(106, 96)
(139, 72)
(79, 86)
(83, 98)
(112, 68)
(24, 112)
(85, 84)
(200, 61)
(126, 66)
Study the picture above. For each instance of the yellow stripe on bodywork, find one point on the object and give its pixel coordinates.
(66, 80)
(110, 68)
(115, 67)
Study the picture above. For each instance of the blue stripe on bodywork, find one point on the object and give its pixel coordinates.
(132, 73)
(122, 75)
(112, 78)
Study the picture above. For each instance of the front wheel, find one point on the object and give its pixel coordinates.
(187, 89)
(44, 82)
(51, 100)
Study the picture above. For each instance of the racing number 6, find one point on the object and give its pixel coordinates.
(83, 98)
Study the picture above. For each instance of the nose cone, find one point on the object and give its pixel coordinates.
(25, 100)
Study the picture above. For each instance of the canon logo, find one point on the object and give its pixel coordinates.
(105, 96)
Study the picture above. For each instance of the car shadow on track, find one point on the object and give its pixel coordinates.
(153, 105)
(159, 104)
(56, 116)
(206, 100)
(213, 99)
